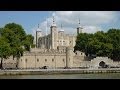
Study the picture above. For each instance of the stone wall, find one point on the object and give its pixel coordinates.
(116, 64)
(58, 59)
(96, 61)
(34, 60)
(52, 59)
(9, 63)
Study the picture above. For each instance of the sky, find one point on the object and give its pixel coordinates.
(91, 21)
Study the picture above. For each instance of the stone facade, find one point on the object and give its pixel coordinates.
(52, 59)
(55, 59)
(9, 63)
(55, 38)
(96, 61)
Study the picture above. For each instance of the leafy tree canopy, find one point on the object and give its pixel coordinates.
(100, 43)
(15, 38)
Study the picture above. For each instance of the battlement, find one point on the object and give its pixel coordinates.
(45, 52)
(79, 53)
(61, 50)
(101, 58)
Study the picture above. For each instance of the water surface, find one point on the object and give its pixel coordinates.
(65, 76)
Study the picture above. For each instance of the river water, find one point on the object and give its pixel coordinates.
(65, 76)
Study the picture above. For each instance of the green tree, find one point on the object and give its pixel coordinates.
(28, 42)
(114, 35)
(16, 29)
(5, 50)
(15, 35)
(17, 39)
(98, 44)
(102, 45)
(82, 42)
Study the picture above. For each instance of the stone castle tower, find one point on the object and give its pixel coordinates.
(54, 35)
(38, 35)
(69, 57)
(79, 28)
(57, 37)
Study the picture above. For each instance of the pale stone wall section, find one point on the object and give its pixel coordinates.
(9, 63)
(95, 62)
(57, 60)
(39, 60)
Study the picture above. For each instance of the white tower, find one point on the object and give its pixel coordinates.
(79, 28)
(38, 35)
(54, 35)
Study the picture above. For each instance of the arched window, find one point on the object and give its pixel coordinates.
(76, 53)
(63, 60)
(37, 60)
(45, 60)
(52, 60)
(25, 60)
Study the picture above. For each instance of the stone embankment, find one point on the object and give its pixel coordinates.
(58, 71)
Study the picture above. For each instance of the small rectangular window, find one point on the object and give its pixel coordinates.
(45, 60)
(52, 60)
(37, 60)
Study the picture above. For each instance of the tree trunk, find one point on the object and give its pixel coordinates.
(1, 64)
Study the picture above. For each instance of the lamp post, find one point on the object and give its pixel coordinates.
(35, 60)
(55, 60)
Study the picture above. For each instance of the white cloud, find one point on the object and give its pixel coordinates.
(91, 29)
(90, 20)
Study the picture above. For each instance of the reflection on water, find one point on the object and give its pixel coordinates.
(65, 76)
